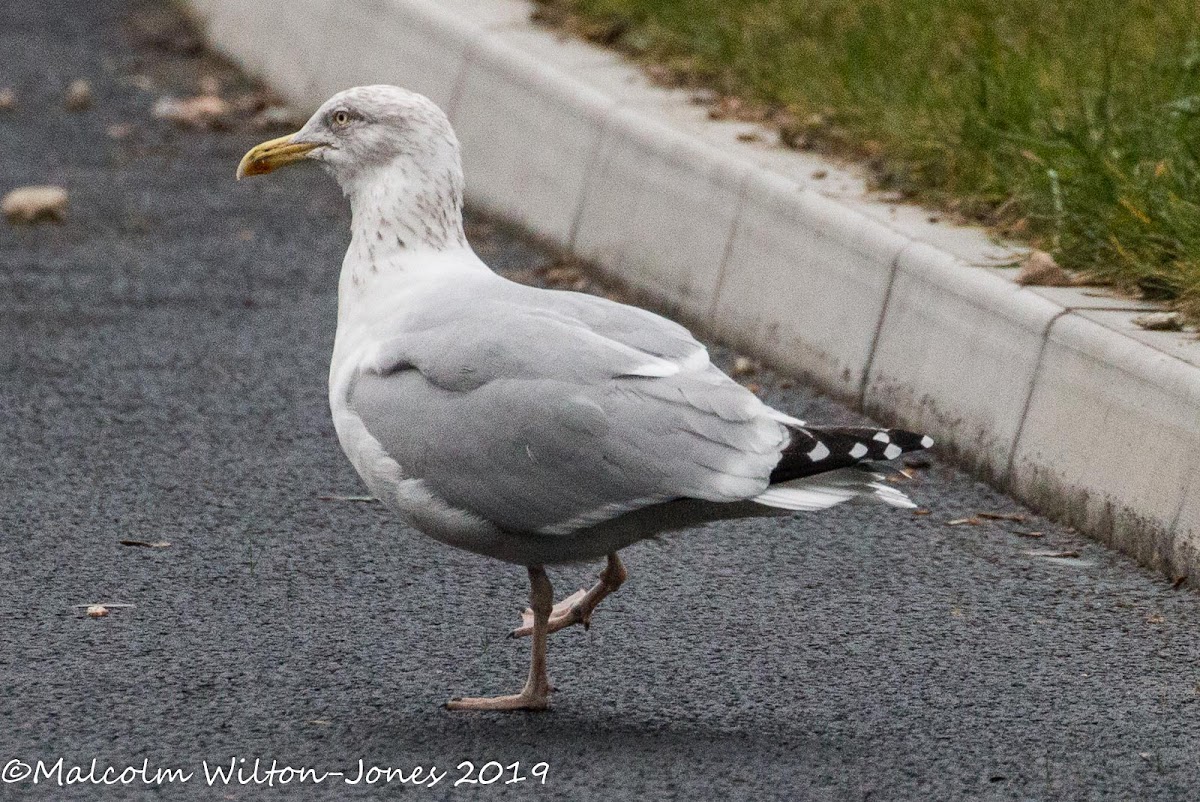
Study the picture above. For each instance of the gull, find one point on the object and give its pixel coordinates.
(534, 426)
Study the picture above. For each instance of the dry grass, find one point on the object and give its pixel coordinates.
(1072, 124)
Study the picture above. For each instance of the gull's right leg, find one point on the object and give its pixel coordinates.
(536, 693)
(578, 607)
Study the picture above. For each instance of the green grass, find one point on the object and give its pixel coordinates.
(1073, 124)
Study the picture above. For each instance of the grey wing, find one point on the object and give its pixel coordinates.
(538, 423)
(637, 328)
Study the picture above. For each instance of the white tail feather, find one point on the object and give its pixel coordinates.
(826, 490)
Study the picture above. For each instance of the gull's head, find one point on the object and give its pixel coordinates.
(362, 132)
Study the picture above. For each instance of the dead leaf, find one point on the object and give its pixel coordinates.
(794, 137)
(96, 611)
(78, 96)
(1054, 555)
(961, 521)
(728, 107)
(250, 102)
(563, 274)
(1023, 533)
(157, 544)
(35, 204)
(1002, 516)
(1160, 321)
(202, 111)
(8, 99)
(921, 511)
(659, 74)
(1040, 269)
(277, 117)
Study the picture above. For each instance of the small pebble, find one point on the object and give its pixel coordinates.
(78, 96)
(96, 611)
(744, 366)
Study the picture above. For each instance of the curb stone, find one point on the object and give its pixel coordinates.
(1050, 393)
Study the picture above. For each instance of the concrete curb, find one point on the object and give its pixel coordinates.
(1050, 393)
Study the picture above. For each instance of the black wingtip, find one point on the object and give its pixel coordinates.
(819, 449)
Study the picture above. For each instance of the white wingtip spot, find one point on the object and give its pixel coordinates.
(882, 437)
(926, 441)
(858, 451)
(892, 451)
(820, 451)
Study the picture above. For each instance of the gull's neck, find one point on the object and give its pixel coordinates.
(406, 231)
(401, 214)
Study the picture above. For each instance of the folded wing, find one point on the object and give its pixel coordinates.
(582, 411)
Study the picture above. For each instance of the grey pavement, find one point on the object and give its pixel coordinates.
(163, 357)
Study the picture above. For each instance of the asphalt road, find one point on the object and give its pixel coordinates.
(163, 358)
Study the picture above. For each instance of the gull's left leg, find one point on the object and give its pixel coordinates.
(578, 607)
(536, 693)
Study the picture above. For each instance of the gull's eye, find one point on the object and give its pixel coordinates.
(341, 118)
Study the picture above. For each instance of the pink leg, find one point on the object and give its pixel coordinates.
(536, 693)
(578, 607)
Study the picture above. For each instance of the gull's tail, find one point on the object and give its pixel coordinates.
(824, 466)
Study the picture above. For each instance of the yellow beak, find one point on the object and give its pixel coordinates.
(272, 155)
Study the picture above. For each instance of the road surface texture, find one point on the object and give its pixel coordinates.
(163, 357)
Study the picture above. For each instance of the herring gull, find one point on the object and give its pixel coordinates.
(533, 426)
